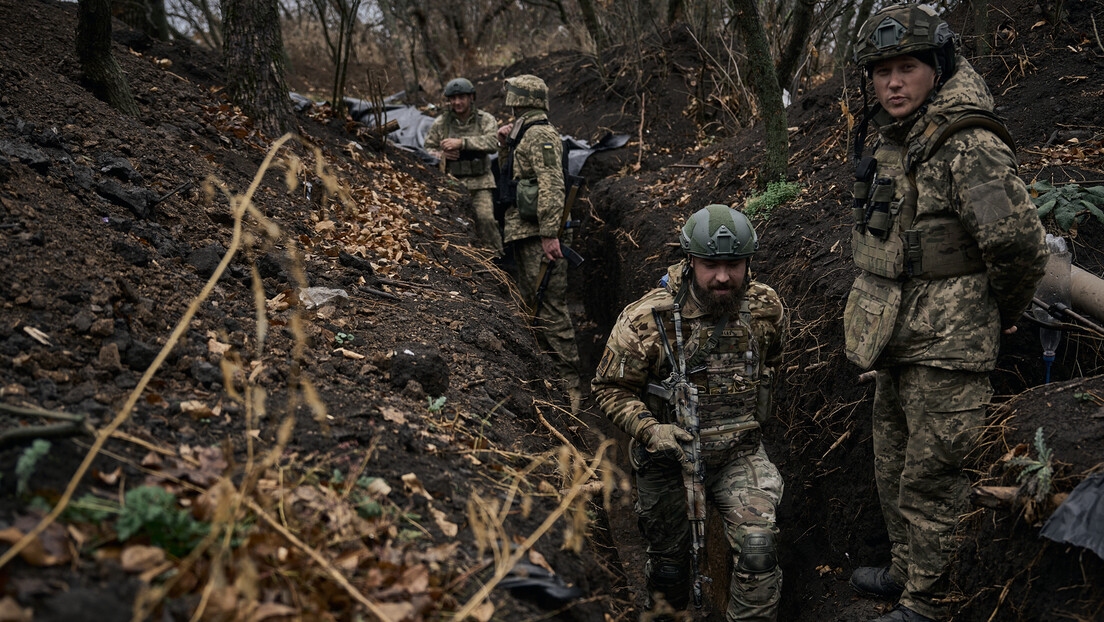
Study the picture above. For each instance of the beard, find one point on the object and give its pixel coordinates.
(716, 304)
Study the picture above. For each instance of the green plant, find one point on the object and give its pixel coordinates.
(777, 193)
(90, 509)
(1068, 203)
(342, 338)
(152, 510)
(1037, 475)
(25, 466)
(437, 404)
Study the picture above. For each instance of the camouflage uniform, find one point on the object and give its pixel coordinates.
(538, 156)
(474, 166)
(932, 328)
(733, 385)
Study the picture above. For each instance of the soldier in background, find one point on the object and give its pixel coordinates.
(464, 137)
(734, 330)
(534, 223)
(951, 249)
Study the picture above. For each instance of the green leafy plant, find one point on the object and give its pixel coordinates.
(1037, 474)
(342, 338)
(25, 466)
(777, 193)
(1068, 203)
(90, 509)
(437, 404)
(152, 511)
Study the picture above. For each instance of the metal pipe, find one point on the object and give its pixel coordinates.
(1087, 292)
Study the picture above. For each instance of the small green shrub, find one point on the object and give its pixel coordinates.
(25, 466)
(777, 193)
(1069, 203)
(152, 511)
(437, 404)
(1037, 475)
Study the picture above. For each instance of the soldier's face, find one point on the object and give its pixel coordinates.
(902, 84)
(460, 104)
(719, 285)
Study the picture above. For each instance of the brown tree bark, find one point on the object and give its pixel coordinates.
(593, 26)
(147, 16)
(981, 26)
(764, 81)
(253, 58)
(406, 66)
(102, 75)
(795, 46)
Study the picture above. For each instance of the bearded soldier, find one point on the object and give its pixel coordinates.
(727, 333)
(464, 137)
(534, 222)
(951, 249)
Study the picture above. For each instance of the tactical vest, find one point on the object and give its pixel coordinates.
(470, 163)
(733, 389)
(887, 240)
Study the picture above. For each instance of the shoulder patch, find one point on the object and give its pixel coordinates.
(549, 154)
(607, 360)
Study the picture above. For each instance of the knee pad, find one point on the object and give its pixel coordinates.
(758, 554)
(670, 578)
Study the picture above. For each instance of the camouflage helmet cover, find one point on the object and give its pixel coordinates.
(900, 30)
(527, 91)
(718, 232)
(459, 86)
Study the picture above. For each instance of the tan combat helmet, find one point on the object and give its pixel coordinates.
(907, 29)
(526, 91)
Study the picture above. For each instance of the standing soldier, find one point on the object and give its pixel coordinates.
(951, 249)
(727, 335)
(534, 223)
(464, 137)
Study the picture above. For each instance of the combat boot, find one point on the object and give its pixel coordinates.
(875, 583)
(902, 613)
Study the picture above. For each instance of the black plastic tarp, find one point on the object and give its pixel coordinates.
(1080, 518)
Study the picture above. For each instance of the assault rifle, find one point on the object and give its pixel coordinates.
(574, 259)
(684, 398)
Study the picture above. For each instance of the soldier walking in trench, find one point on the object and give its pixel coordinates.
(728, 332)
(951, 249)
(534, 223)
(464, 137)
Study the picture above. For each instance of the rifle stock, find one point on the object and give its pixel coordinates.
(573, 258)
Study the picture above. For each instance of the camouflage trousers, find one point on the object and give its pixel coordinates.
(555, 333)
(926, 421)
(746, 491)
(486, 227)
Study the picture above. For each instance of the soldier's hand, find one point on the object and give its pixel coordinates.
(503, 132)
(452, 144)
(666, 438)
(451, 154)
(551, 247)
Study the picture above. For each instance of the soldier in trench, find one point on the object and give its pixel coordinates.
(733, 329)
(950, 249)
(464, 137)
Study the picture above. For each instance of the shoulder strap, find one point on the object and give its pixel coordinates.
(514, 142)
(938, 132)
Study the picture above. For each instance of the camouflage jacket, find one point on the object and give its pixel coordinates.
(634, 354)
(955, 322)
(539, 155)
(480, 140)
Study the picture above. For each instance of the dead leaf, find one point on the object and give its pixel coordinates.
(140, 558)
(414, 486)
(10, 611)
(349, 354)
(49, 548)
(537, 559)
(393, 415)
(1041, 22)
(196, 409)
(483, 612)
(377, 488)
(448, 528)
(214, 346)
(37, 335)
(396, 611)
(325, 225)
(109, 478)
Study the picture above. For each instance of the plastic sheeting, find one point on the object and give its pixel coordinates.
(1080, 518)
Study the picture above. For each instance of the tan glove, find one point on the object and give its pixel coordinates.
(665, 438)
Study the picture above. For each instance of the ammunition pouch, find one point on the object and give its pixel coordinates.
(470, 164)
(728, 427)
(528, 197)
(869, 318)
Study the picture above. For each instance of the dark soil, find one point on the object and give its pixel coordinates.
(91, 261)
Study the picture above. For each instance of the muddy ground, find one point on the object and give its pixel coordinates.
(105, 245)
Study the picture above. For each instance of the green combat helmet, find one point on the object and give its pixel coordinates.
(526, 91)
(906, 29)
(718, 232)
(459, 86)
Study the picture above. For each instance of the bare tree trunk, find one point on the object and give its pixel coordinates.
(339, 43)
(253, 58)
(147, 16)
(765, 82)
(865, 9)
(406, 67)
(102, 74)
(593, 26)
(675, 11)
(799, 35)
